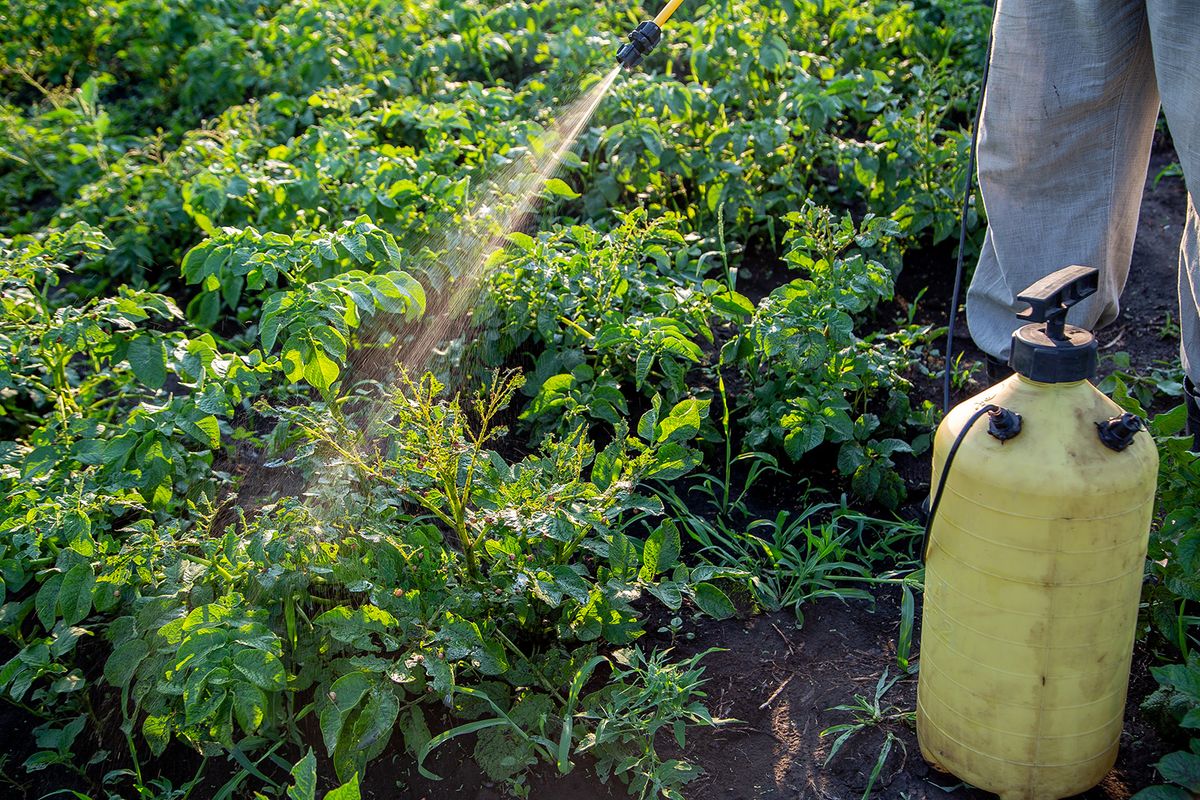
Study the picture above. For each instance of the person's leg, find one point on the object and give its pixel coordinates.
(1189, 317)
(1175, 40)
(1065, 137)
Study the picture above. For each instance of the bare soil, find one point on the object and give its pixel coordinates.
(781, 682)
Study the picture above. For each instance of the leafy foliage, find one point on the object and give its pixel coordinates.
(813, 379)
(626, 308)
(213, 214)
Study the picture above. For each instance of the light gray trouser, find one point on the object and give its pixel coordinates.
(1065, 137)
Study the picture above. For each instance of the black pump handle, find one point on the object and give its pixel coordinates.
(1050, 297)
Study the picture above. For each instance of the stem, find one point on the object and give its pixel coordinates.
(1181, 630)
(196, 778)
(208, 562)
(128, 731)
(563, 319)
(458, 523)
(549, 687)
(728, 441)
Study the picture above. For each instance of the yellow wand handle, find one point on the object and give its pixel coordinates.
(666, 12)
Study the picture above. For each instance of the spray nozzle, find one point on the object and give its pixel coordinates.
(642, 40)
(645, 37)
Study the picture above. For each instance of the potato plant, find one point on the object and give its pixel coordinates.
(437, 573)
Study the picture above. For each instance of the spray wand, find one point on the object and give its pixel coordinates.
(645, 37)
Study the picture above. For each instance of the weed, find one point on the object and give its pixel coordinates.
(647, 694)
(1170, 328)
(1164, 380)
(870, 713)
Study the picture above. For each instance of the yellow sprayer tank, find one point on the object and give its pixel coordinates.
(1034, 567)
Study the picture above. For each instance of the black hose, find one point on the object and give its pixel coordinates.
(941, 487)
(962, 225)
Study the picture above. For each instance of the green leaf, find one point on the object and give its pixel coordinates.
(261, 668)
(204, 702)
(75, 596)
(522, 240)
(668, 594)
(345, 693)
(249, 706)
(347, 791)
(77, 528)
(570, 583)
(464, 641)
(205, 430)
(321, 372)
(799, 441)
(148, 358)
(89, 92)
(47, 601)
(683, 422)
(205, 309)
(733, 305)
(607, 465)
(622, 556)
(713, 601)
(124, 661)
(559, 187)
(660, 552)
(1192, 718)
(156, 730)
(672, 461)
(1182, 768)
(907, 618)
(416, 731)
(649, 421)
(304, 778)
(1180, 676)
(378, 718)
(293, 364)
(645, 361)
(850, 457)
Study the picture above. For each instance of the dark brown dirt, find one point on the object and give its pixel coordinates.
(1149, 304)
(778, 752)
(781, 683)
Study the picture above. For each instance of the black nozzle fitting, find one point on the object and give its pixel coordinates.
(642, 40)
(1117, 433)
(1003, 424)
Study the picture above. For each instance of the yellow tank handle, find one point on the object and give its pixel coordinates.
(666, 12)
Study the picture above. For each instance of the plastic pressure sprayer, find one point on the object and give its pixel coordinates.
(1037, 544)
